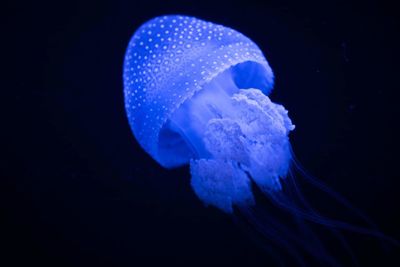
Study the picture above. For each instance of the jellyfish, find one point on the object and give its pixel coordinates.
(197, 93)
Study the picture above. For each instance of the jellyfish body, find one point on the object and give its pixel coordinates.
(197, 93)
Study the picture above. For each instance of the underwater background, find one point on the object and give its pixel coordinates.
(77, 189)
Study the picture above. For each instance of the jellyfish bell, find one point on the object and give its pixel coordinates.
(197, 93)
(167, 61)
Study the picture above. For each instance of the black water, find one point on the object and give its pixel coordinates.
(77, 188)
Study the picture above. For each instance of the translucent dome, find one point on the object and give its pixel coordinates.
(168, 60)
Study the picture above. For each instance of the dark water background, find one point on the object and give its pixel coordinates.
(77, 188)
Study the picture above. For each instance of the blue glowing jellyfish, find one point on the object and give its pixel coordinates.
(197, 93)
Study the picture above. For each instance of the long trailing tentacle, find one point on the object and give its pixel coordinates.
(287, 237)
(269, 231)
(371, 229)
(291, 199)
(279, 198)
(290, 206)
(336, 233)
(320, 185)
(245, 224)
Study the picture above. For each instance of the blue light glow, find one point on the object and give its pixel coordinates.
(197, 93)
(183, 79)
(168, 60)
